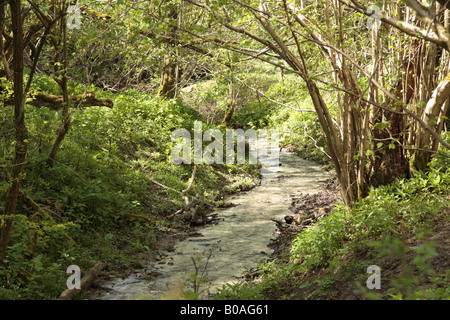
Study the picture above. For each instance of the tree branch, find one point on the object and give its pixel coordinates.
(442, 38)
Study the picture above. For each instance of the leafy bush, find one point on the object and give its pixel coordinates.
(413, 204)
(239, 290)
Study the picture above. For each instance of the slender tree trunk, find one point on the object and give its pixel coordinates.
(21, 133)
(435, 106)
(169, 73)
(229, 112)
(445, 69)
(346, 175)
(168, 79)
(63, 84)
(2, 47)
(440, 125)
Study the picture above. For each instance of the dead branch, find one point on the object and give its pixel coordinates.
(193, 204)
(86, 281)
(191, 181)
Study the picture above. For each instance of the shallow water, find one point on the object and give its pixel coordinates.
(238, 241)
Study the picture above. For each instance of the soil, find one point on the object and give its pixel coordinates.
(347, 286)
(306, 209)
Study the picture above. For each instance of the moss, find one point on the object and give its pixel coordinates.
(96, 14)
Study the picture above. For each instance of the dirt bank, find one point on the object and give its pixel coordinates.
(346, 284)
(306, 210)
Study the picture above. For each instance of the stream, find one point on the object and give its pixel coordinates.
(236, 243)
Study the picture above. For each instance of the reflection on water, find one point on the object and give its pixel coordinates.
(238, 241)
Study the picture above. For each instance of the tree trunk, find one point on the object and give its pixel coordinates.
(21, 133)
(229, 112)
(168, 79)
(169, 69)
(63, 84)
(435, 106)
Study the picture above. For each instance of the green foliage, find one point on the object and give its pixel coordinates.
(25, 275)
(315, 246)
(199, 277)
(239, 291)
(376, 226)
(102, 172)
(407, 204)
(301, 130)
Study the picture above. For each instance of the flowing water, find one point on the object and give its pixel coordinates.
(238, 241)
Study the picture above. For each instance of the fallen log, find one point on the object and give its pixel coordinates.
(54, 102)
(86, 281)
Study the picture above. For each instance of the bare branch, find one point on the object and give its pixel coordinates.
(442, 38)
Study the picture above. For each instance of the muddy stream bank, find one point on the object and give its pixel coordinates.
(236, 242)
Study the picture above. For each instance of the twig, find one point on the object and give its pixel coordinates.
(188, 206)
(271, 100)
(191, 181)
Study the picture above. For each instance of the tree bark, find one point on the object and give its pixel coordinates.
(169, 69)
(168, 79)
(21, 133)
(2, 47)
(86, 281)
(435, 106)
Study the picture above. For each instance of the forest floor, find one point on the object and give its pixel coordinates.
(345, 285)
(315, 205)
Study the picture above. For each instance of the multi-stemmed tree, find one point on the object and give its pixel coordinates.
(383, 126)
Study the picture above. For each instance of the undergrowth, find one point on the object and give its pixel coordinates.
(105, 171)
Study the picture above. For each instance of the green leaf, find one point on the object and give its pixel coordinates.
(108, 236)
